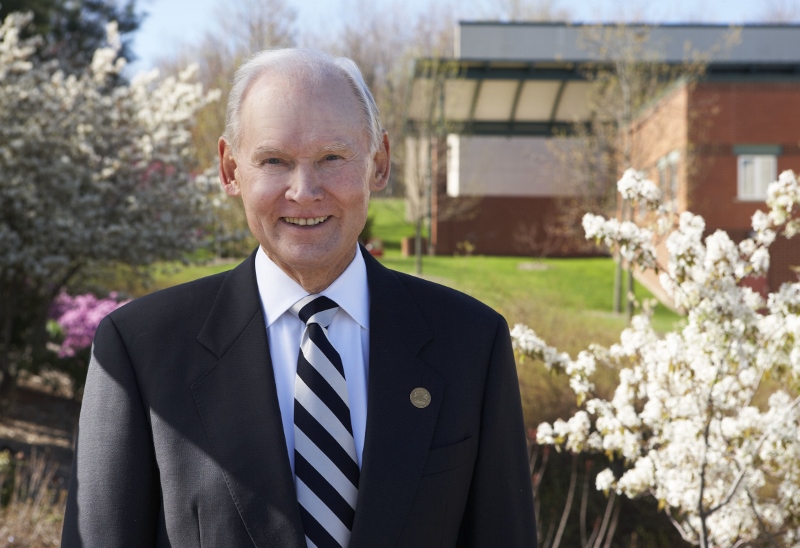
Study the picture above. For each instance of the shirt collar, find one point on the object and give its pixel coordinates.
(279, 292)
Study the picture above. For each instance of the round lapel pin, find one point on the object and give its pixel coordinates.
(420, 398)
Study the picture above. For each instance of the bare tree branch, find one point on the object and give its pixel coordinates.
(567, 505)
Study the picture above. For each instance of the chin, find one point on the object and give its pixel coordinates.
(310, 257)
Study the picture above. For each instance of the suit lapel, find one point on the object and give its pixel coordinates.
(398, 434)
(238, 403)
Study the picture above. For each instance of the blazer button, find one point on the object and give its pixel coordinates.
(420, 398)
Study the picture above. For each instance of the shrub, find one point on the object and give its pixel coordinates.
(684, 423)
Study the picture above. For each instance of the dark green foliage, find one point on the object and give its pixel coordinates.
(73, 29)
(22, 340)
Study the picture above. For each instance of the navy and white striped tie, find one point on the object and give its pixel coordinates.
(326, 467)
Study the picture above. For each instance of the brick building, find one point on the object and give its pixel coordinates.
(713, 145)
(717, 144)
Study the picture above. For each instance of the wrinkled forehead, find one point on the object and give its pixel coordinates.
(300, 90)
(318, 82)
(290, 110)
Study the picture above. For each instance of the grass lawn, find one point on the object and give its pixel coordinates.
(389, 223)
(518, 287)
(566, 301)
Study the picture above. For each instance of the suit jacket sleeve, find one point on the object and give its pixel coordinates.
(499, 509)
(113, 494)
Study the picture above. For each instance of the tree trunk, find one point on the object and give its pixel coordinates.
(629, 293)
(418, 246)
(618, 285)
(6, 330)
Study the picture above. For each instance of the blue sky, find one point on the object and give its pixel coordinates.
(172, 22)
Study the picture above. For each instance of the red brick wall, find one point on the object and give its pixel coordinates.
(784, 254)
(737, 113)
(505, 226)
(662, 129)
(705, 121)
(499, 225)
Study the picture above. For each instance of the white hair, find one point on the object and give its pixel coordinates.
(299, 62)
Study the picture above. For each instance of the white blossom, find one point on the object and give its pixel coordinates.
(605, 480)
(638, 479)
(684, 419)
(633, 186)
(92, 168)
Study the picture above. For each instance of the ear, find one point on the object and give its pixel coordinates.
(381, 164)
(227, 168)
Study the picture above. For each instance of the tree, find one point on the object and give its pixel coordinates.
(692, 420)
(94, 170)
(244, 28)
(71, 30)
(382, 48)
(624, 84)
(780, 12)
(527, 10)
(386, 47)
(426, 151)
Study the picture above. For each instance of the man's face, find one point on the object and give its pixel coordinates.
(304, 171)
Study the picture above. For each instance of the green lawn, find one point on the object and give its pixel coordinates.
(389, 224)
(516, 286)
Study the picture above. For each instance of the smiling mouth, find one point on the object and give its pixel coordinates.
(305, 221)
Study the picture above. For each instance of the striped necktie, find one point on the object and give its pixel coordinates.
(326, 467)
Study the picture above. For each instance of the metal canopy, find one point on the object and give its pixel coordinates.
(528, 79)
(498, 98)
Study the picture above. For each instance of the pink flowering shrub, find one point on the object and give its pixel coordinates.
(78, 318)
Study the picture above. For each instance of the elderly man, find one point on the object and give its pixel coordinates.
(309, 397)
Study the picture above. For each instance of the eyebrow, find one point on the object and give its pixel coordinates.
(336, 147)
(265, 150)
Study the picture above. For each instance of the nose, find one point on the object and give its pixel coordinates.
(304, 186)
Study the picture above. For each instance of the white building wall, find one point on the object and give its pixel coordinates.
(506, 166)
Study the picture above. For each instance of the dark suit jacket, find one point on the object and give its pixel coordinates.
(180, 438)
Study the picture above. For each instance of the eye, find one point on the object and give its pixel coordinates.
(273, 161)
(332, 157)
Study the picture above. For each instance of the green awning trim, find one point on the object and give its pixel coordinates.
(773, 150)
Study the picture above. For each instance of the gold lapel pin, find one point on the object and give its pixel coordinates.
(420, 398)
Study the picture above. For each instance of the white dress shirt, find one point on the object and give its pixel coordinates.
(349, 335)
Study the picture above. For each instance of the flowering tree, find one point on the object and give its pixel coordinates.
(687, 418)
(71, 30)
(92, 169)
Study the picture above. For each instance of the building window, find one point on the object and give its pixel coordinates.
(668, 178)
(756, 172)
(757, 168)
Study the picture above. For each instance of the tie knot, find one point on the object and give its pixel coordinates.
(317, 309)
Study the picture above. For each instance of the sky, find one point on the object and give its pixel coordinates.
(170, 23)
